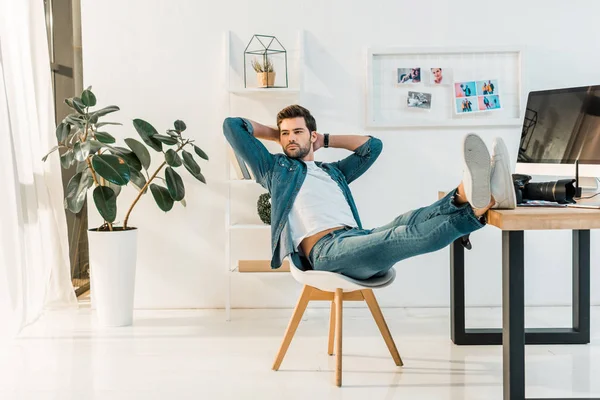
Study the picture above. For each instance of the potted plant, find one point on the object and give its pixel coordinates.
(103, 166)
(264, 72)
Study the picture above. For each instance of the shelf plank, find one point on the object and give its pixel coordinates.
(260, 267)
(264, 91)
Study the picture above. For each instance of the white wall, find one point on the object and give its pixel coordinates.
(163, 60)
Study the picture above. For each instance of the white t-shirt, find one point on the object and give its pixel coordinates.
(319, 205)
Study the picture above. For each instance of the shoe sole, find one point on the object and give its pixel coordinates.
(478, 163)
(503, 151)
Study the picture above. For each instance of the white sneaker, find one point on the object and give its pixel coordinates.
(503, 189)
(477, 171)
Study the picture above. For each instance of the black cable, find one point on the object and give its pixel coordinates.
(589, 197)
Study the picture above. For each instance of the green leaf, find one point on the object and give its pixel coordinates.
(173, 158)
(76, 120)
(103, 111)
(76, 104)
(62, 131)
(138, 180)
(162, 197)
(82, 150)
(192, 167)
(52, 150)
(173, 133)
(146, 132)
(200, 153)
(67, 158)
(198, 176)
(81, 166)
(106, 202)
(190, 163)
(168, 140)
(112, 168)
(77, 190)
(99, 124)
(104, 137)
(94, 146)
(174, 184)
(132, 160)
(179, 125)
(183, 202)
(88, 98)
(140, 151)
(115, 188)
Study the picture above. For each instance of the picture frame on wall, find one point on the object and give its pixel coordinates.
(387, 103)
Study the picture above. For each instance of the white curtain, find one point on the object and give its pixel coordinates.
(34, 266)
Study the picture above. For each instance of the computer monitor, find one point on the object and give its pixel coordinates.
(560, 127)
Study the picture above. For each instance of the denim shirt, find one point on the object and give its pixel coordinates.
(283, 177)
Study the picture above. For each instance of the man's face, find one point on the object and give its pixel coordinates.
(295, 137)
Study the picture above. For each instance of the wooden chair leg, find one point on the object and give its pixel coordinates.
(331, 329)
(293, 325)
(339, 300)
(383, 328)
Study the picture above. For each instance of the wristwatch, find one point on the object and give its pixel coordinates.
(326, 140)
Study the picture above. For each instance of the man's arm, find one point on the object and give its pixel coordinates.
(348, 142)
(264, 132)
(242, 134)
(366, 150)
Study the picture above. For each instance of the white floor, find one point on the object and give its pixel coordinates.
(195, 354)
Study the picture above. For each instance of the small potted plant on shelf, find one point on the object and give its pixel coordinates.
(264, 72)
(103, 166)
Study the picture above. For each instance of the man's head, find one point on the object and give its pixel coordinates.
(297, 132)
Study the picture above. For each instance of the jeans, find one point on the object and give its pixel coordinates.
(365, 253)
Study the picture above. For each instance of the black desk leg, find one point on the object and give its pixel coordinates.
(457, 292)
(513, 315)
(581, 284)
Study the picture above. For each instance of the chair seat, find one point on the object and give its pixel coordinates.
(330, 281)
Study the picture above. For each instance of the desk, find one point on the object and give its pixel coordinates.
(513, 335)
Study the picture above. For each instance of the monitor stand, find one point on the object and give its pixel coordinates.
(587, 190)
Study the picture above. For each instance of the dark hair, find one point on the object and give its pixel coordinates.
(295, 111)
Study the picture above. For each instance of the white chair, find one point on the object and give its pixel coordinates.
(337, 288)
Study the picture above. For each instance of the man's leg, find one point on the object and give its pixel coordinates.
(362, 254)
(449, 204)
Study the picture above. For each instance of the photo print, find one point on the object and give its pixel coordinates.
(487, 103)
(466, 105)
(419, 100)
(409, 75)
(488, 87)
(465, 89)
(440, 76)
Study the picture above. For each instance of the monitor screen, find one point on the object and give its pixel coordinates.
(562, 126)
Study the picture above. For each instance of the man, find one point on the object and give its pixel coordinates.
(466, 90)
(314, 219)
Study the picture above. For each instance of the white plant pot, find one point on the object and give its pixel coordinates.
(113, 258)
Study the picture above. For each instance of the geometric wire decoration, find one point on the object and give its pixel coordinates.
(270, 51)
